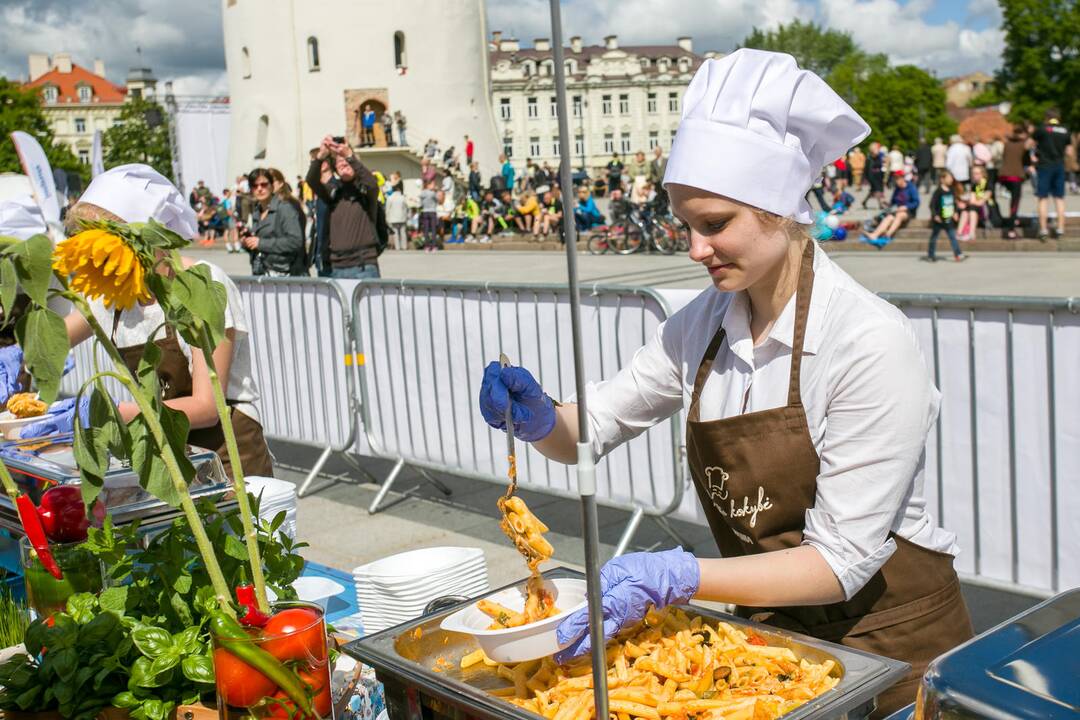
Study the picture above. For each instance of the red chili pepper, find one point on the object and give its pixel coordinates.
(252, 617)
(31, 522)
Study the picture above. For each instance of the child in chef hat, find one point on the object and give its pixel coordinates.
(133, 193)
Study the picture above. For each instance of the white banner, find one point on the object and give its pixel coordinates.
(36, 167)
(97, 159)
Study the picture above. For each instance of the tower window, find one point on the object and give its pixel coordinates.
(261, 135)
(313, 54)
(245, 62)
(400, 58)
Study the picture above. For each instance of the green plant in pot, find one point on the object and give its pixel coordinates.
(176, 603)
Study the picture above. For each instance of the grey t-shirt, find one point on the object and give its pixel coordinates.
(429, 201)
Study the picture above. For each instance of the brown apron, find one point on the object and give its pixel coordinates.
(756, 475)
(174, 376)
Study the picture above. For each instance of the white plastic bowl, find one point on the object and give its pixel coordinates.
(9, 422)
(317, 589)
(406, 566)
(528, 642)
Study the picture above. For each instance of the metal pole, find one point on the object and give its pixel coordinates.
(585, 469)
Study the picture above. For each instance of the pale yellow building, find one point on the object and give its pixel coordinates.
(78, 101)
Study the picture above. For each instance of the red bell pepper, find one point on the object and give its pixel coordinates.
(252, 616)
(63, 514)
(31, 522)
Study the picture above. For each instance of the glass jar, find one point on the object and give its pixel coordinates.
(296, 637)
(82, 572)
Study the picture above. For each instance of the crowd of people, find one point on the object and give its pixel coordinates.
(963, 178)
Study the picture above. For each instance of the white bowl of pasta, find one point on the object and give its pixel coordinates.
(524, 640)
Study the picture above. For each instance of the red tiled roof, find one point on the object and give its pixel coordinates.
(67, 85)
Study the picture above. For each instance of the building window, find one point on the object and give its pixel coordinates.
(555, 147)
(554, 106)
(624, 104)
(245, 62)
(261, 134)
(80, 125)
(684, 64)
(662, 65)
(579, 145)
(605, 104)
(654, 139)
(571, 67)
(650, 103)
(624, 143)
(534, 146)
(401, 60)
(85, 93)
(644, 63)
(526, 69)
(508, 147)
(673, 102)
(51, 94)
(609, 142)
(534, 108)
(577, 106)
(312, 54)
(504, 108)
(671, 137)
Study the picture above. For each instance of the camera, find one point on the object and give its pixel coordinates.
(339, 139)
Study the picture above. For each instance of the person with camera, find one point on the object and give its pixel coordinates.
(275, 240)
(357, 221)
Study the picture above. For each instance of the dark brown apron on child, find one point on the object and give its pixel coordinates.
(174, 377)
(756, 476)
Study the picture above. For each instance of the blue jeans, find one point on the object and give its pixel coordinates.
(951, 232)
(359, 272)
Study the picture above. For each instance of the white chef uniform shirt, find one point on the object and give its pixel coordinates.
(137, 323)
(868, 397)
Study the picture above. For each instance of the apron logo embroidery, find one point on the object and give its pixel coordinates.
(763, 503)
(717, 491)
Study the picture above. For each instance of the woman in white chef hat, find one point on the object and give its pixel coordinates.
(136, 193)
(808, 401)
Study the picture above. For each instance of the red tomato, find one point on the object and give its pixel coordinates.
(318, 681)
(754, 639)
(239, 684)
(296, 634)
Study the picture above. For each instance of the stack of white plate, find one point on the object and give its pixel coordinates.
(397, 588)
(277, 495)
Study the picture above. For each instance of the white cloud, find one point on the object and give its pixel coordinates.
(901, 32)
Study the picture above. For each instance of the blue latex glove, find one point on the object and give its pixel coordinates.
(533, 411)
(61, 419)
(11, 360)
(629, 585)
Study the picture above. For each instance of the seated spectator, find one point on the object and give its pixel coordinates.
(905, 201)
(586, 214)
(527, 212)
(507, 213)
(979, 205)
(618, 206)
(551, 212)
(487, 217)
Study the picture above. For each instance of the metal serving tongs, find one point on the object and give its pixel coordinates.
(511, 453)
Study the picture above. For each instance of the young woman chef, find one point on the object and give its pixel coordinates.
(808, 401)
(134, 193)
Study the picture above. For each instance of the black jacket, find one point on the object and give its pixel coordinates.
(281, 239)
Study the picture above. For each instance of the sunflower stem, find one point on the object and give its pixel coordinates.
(191, 513)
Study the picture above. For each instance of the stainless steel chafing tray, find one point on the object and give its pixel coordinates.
(38, 464)
(418, 664)
(1027, 667)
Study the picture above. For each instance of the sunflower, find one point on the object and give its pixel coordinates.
(102, 265)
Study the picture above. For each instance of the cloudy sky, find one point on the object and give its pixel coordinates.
(182, 41)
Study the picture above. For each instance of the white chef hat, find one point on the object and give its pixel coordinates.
(21, 218)
(757, 129)
(136, 193)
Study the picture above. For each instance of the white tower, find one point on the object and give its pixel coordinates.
(299, 71)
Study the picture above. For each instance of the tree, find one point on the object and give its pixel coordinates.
(814, 47)
(141, 136)
(901, 104)
(20, 109)
(1041, 61)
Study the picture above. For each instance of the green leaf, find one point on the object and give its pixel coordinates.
(81, 607)
(146, 371)
(43, 337)
(151, 641)
(146, 456)
(157, 236)
(114, 599)
(25, 699)
(9, 286)
(203, 297)
(157, 709)
(205, 600)
(91, 454)
(234, 548)
(166, 661)
(33, 266)
(182, 584)
(125, 699)
(34, 639)
(198, 668)
(181, 608)
(64, 662)
(187, 640)
(278, 520)
(141, 675)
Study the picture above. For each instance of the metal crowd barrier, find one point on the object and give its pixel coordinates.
(301, 352)
(1002, 461)
(421, 347)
